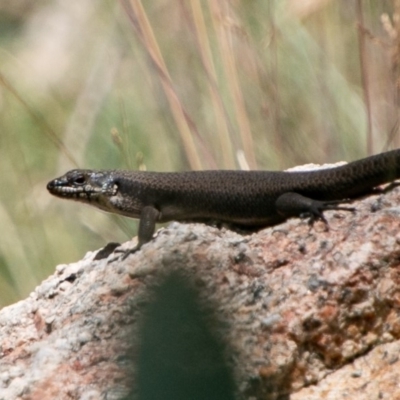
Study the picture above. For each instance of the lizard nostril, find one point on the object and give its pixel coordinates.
(50, 185)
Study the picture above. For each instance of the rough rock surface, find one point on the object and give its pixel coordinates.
(310, 313)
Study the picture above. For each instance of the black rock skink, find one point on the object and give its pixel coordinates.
(245, 199)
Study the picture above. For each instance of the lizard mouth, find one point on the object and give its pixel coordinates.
(84, 191)
(59, 189)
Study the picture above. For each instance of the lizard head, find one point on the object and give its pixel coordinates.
(85, 185)
(99, 188)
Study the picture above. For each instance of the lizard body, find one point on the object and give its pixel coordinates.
(247, 199)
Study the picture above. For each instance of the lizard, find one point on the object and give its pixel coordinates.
(244, 199)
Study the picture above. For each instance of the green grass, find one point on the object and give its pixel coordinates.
(172, 86)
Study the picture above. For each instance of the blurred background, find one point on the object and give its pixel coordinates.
(172, 86)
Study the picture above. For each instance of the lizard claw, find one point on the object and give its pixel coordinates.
(127, 253)
(106, 251)
(317, 208)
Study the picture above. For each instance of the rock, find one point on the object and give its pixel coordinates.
(306, 313)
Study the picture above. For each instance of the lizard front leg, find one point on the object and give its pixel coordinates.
(147, 225)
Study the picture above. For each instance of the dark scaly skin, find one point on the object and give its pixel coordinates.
(251, 199)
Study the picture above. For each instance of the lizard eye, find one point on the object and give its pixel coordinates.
(79, 180)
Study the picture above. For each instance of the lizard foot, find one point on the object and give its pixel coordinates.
(317, 208)
(106, 251)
